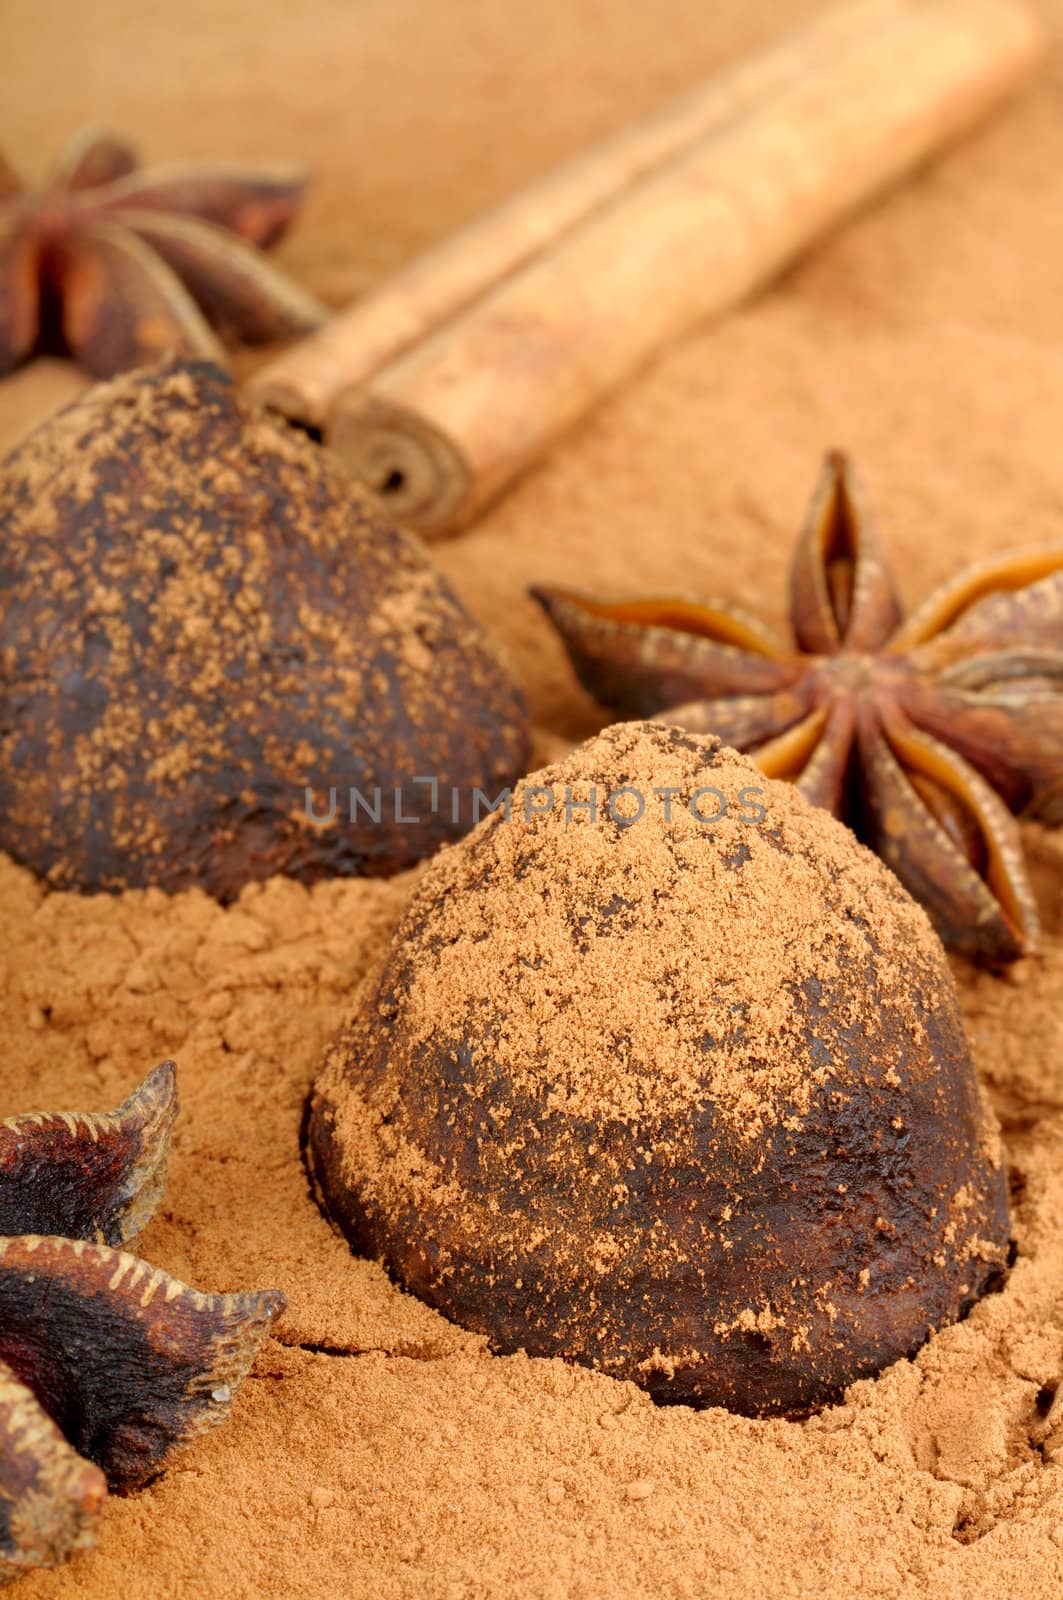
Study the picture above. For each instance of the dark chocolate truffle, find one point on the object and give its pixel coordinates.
(200, 620)
(664, 1073)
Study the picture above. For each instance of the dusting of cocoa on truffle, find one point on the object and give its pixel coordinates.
(688, 1103)
(199, 619)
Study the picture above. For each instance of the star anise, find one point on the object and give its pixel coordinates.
(106, 1363)
(926, 735)
(120, 265)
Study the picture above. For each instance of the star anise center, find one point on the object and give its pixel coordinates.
(849, 672)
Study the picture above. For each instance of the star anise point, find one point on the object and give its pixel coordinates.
(106, 1363)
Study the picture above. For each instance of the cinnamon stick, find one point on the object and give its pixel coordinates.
(304, 381)
(442, 429)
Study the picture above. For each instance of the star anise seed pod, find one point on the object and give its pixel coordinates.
(51, 1497)
(89, 1175)
(925, 735)
(120, 265)
(106, 1363)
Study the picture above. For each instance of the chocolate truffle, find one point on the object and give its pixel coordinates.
(663, 1073)
(200, 620)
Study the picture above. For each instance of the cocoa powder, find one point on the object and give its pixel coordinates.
(392, 1458)
(378, 1450)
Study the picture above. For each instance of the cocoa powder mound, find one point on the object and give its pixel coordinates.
(380, 1451)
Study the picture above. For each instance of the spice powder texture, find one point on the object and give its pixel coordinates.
(379, 1451)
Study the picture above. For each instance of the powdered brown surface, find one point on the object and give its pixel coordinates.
(378, 1451)
(686, 1101)
(252, 626)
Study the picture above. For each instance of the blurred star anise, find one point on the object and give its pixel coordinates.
(925, 735)
(119, 266)
(106, 1363)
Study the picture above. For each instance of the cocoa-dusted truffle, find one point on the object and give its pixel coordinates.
(685, 1100)
(200, 620)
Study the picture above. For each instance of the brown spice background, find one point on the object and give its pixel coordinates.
(396, 1459)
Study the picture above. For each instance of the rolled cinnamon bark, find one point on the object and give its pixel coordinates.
(304, 381)
(442, 429)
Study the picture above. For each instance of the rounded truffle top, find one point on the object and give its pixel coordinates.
(201, 620)
(653, 921)
(661, 1058)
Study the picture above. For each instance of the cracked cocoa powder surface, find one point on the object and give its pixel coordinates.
(378, 1452)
